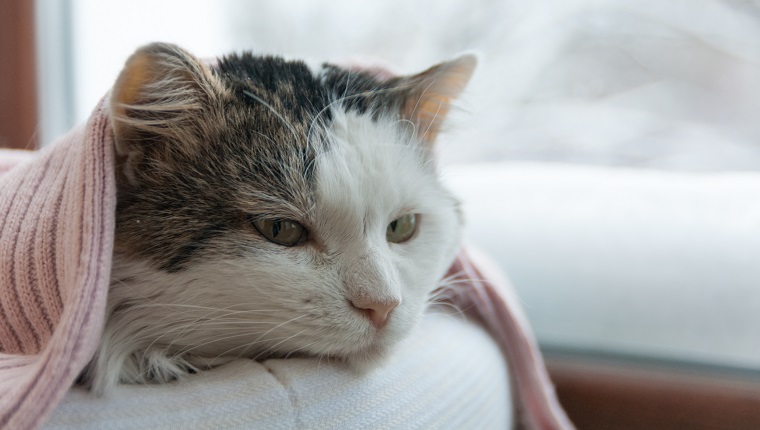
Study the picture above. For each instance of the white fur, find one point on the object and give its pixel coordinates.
(278, 301)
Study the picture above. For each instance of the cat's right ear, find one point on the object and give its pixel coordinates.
(156, 103)
(427, 97)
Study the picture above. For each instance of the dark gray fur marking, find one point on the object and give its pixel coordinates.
(253, 151)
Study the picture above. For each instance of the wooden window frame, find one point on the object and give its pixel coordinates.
(620, 393)
(18, 78)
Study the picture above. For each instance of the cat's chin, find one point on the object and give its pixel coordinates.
(368, 359)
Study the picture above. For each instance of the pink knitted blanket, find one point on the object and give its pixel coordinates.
(56, 239)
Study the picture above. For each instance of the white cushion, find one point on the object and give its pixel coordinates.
(449, 374)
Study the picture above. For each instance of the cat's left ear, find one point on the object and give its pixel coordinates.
(427, 97)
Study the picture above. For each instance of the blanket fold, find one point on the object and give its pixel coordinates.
(56, 239)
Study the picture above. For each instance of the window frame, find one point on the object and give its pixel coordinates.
(18, 86)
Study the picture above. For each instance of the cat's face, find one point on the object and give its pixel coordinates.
(266, 208)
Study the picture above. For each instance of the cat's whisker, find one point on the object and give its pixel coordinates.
(318, 116)
(272, 348)
(244, 348)
(205, 321)
(461, 275)
(209, 308)
(147, 331)
(413, 135)
(187, 349)
(419, 99)
(457, 282)
(196, 322)
(258, 339)
(301, 348)
(344, 97)
(285, 122)
(260, 134)
(454, 275)
(457, 311)
(181, 328)
(280, 325)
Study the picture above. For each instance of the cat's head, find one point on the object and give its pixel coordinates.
(268, 208)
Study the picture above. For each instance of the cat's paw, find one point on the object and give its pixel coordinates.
(137, 367)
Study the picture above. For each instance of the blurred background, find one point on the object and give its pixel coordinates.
(672, 84)
(658, 98)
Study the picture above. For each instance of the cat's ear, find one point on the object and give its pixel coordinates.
(428, 96)
(156, 102)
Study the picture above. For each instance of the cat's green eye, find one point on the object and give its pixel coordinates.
(401, 229)
(283, 232)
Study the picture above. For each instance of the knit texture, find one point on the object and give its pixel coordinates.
(486, 295)
(56, 240)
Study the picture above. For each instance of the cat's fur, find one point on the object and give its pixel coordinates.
(205, 150)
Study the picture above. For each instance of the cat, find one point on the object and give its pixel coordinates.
(268, 208)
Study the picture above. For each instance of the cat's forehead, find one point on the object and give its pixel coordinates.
(291, 86)
(290, 118)
(306, 90)
(371, 172)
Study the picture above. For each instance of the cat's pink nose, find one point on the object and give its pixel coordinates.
(377, 311)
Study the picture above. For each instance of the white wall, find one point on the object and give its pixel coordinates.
(105, 33)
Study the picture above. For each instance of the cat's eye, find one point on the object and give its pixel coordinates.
(283, 232)
(401, 229)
